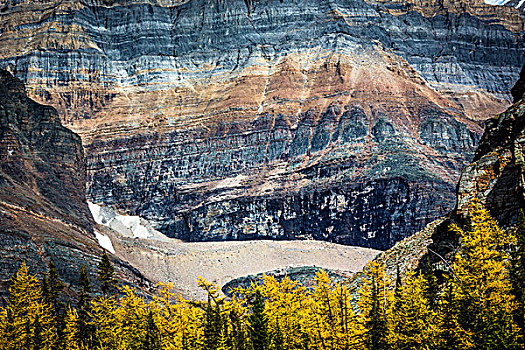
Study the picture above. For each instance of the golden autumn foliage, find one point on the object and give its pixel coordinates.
(472, 309)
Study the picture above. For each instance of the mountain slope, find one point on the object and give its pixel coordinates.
(43, 210)
(495, 178)
(346, 121)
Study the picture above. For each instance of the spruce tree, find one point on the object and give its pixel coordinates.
(258, 323)
(56, 286)
(83, 305)
(449, 335)
(37, 334)
(106, 272)
(376, 326)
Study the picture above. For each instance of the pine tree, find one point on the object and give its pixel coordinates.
(258, 323)
(106, 272)
(517, 277)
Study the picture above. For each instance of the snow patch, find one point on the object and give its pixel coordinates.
(104, 242)
(126, 224)
(496, 2)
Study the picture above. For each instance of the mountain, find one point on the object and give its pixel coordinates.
(344, 120)
(43, 209)
(495, 177)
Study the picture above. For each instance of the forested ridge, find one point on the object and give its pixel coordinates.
(478, 305)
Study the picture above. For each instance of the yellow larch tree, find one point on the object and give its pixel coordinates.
(26, 321)
(481, 282)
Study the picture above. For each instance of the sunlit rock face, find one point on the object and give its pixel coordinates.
(347, 120)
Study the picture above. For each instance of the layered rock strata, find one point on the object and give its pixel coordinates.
(346, 120)
(43, 211)
(495, 178)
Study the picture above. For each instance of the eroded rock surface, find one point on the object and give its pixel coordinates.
(43, 210)
(344, 120)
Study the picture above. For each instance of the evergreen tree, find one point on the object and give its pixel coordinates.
(106, 272)
(85, 331)
(373, 304)
(38, 342)
(258, 323)
(449, 335)
(212, 326)
(152, 338)
(238, 334)
(517, 278)
(398, 290)
(55, 286)
(376, 325)
(431, 286)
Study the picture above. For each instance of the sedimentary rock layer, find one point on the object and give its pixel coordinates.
(344, 120)
(43, 210)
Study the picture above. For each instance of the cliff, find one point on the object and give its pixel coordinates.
(43, 209)
(346, 120)
(494, 177)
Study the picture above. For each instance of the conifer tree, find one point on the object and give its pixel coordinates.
(258, 323)
(483, 289)
(431, 286)
(30, 319)
(152, 338)
(106, 272)
(212, 326)
(374, 306)
(56, 286)
(517, 277)
(72, 337)
(224, 339)
(238, 334)
(84, 299)
(277, 338)
(449, 335)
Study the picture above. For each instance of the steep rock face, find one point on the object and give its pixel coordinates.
(496, 176)
(43, 210)
(229, 120)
